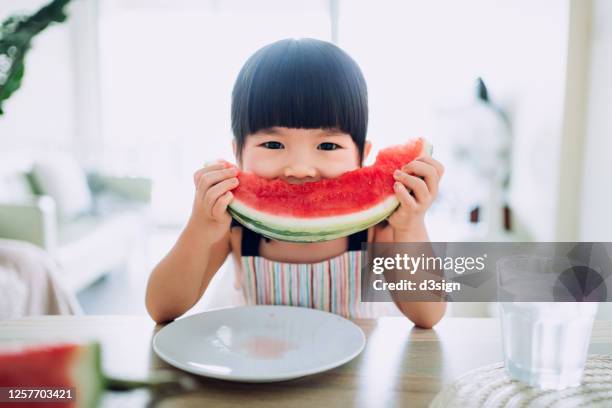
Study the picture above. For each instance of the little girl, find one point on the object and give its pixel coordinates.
(299, 113)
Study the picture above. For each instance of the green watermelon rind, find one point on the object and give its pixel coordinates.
(319, 225)
(88, 374)
(291, 236)
(307, 236)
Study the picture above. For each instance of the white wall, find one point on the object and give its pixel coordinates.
(419, 56)
(535, 102)
(596, 194)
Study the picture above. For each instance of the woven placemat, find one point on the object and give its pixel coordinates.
(491, 387)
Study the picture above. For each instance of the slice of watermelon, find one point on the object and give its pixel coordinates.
(59, 365)
(69, 365)
(324, 209)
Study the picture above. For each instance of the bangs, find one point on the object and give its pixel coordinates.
(302, 83)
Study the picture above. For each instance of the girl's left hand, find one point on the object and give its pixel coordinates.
(416, 187)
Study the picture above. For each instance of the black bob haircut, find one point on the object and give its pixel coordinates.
(300, 83)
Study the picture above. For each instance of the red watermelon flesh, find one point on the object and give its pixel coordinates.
(48, 366)
(324, 209)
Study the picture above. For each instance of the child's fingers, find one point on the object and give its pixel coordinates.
(219, 208)
(404, 197)
(437, 165)
(418, 186)
(217, 191)
(213, 163)
(203, 170)
(425, 170)
(209, 179)
(207, 168)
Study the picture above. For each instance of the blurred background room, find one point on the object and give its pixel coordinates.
(123, 101)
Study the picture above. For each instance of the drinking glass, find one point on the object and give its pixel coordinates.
(545, 343)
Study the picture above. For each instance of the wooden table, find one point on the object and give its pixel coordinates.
(400, 366)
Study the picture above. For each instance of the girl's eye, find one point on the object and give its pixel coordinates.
(272, 145)
(328, 146)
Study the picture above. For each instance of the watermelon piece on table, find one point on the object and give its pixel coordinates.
(68, 365)
(325, 209)
(59, 365)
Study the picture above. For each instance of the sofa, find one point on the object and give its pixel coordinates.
(87, 241)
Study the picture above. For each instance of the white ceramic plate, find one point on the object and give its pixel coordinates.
(259, 343)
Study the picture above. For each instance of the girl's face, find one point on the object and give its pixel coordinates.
(300, 155)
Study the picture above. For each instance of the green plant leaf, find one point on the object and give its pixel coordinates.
(13, 82)
(16, 34)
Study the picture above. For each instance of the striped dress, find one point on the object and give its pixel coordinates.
(332, 285)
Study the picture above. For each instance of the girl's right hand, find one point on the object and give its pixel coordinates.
(213, 183)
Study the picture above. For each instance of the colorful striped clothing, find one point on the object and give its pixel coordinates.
(333, 285)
